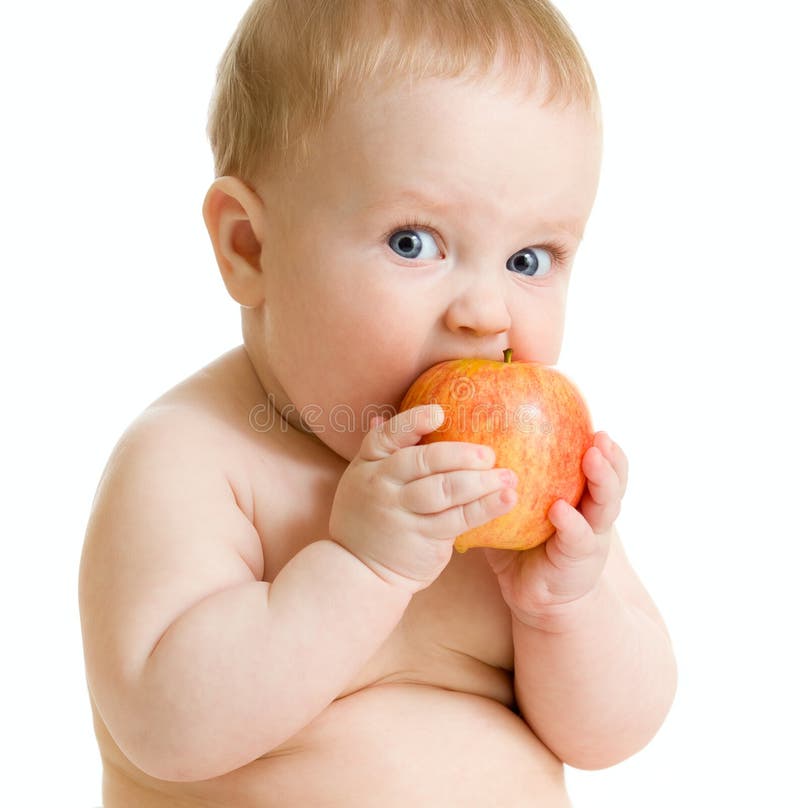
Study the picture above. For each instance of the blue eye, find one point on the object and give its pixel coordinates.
(414, 244)
(530, 261)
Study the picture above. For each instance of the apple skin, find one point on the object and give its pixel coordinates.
(536, 421)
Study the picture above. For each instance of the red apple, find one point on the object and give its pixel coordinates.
(535, 420)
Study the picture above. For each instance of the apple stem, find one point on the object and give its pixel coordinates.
(507, 356)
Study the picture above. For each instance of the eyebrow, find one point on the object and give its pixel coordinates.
(422, 199)
(413, 196)
(570, 226)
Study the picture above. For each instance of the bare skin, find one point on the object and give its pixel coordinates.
(272, 615)
(429, 719)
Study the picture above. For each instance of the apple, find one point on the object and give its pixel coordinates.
(536, 421)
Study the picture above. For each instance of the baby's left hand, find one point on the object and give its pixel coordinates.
(546, 581)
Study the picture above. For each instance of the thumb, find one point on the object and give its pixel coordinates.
(404, 429)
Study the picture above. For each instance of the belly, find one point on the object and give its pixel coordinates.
(384, 746)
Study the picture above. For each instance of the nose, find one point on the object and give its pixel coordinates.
(479, 309)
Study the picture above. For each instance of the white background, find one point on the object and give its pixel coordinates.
(682, 333)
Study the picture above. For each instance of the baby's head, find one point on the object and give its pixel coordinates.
(291, 61)
(399, 182)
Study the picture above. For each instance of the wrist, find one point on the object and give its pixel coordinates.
(568, 617)
(379, 573)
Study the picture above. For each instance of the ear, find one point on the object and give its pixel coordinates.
(234, 217)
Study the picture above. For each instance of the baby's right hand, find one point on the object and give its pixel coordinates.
(399, 506)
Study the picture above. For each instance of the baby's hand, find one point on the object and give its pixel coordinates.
(550, 580)
(399, 506)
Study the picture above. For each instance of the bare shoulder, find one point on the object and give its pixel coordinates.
(188, 446)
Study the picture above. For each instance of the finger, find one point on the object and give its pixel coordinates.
(615, 456)
(439, 492)
(415, 462)
(601, 478)
(574, 539)
(460, 518)
(599, 517)
(406, 428)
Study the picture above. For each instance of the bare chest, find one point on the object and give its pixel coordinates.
(454, 634)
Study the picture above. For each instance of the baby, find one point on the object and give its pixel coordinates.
(272, 611)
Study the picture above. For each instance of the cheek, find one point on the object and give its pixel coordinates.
(537, 332)
(368, 355)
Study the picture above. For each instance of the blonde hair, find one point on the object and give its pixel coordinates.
(290, 60)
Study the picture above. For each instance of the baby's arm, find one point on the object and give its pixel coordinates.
(195, 664)
(596, 686)
(593, 664)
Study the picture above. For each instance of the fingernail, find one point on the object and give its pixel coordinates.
(437, 415)
(507, 496)
(508, 477)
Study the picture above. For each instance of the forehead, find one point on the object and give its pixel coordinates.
(457, 141)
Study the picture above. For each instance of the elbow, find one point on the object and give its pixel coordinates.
(173, 739)
(189, 751)
(177, 762)
(596, 759)
(176, 772)
(170, 769)
(164, 746)
(610, 750)
(169, 757)
(603, 755)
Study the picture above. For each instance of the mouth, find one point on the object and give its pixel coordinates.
(497, 354)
